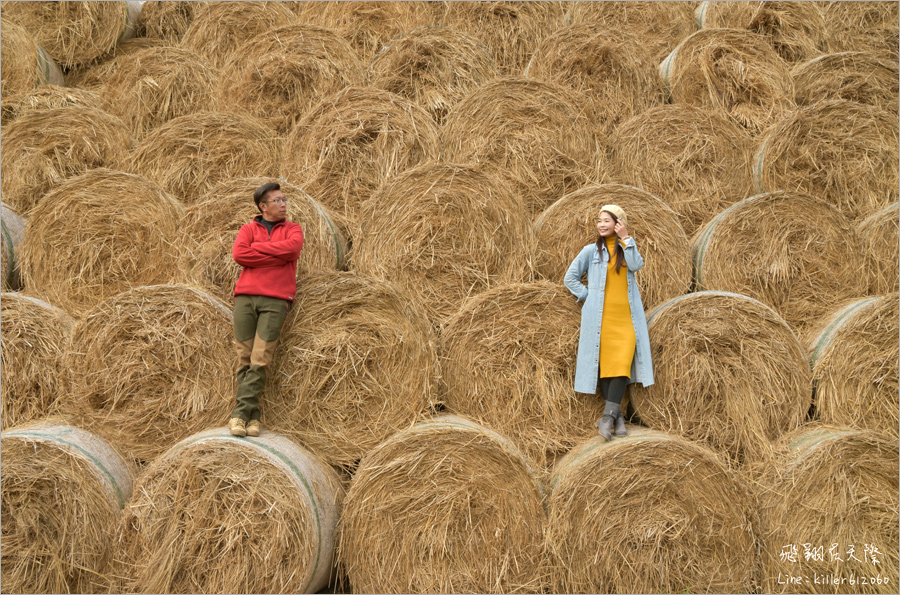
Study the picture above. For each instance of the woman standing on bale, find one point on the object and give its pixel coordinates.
(612, 302)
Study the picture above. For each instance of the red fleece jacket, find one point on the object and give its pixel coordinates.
(269, 262)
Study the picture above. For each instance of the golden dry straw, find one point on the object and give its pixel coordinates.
(350, 143)
(13, 234)
(447, 506)
(649, 513)
(508, 361)
(854, 352)
(863, 26)
(697, 161)
(880, 236)
(42, 149)
(219, 28)
(367, 26)
(796, 30)
(659, 25)
(94, 75)
(99, 234)
(166, 20)
(34, 336)
(210, 227)
(728, 373)
(863, 77)
(150, 366)
(75, 33)
(24, 63)
(219, 514)
(435, 67)
(570, 223)
(203, 149)
(46, 97)
(279, 76)
(357, 362)
(841, 151)
(733, 72)
(510, 30)
(791, 251)
(152, 86)
(62, 493)
(536, 134)
(828, 509)
(613, 70)
(7, 263)
(443, 232)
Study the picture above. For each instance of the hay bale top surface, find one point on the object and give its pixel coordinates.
(46, 97)
(880, 234)
(166, 20)
(864, 77)
(863, 26)
(94, 75)
(19, 65)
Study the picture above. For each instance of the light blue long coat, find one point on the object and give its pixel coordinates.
(594, 262)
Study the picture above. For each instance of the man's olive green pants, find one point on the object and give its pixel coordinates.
(258, 321)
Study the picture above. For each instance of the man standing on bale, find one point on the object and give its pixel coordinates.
(268, 249)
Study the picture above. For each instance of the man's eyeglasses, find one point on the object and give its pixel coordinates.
(278, 201)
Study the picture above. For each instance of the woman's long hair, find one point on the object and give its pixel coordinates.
(620, 251)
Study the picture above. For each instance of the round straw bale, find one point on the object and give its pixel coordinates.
(75, 33)
(532, 132)
(210, 228)
(796, 30)
(219, 514)
(152, 365)
(613, 71)
(828, 511)
(99, 234)
(843, 152)
(880, 235)
(46, 97)
(732, 71)
(863, 77)
(447, 506)
(433, 66)
(34, 336)
(62, 492)
(42, 149)
(357, 362)
(189, 155)
(571, 223)
(694, 160)
(166, 20)
(24, 63)
(13, 235)
(863, 26)
(791, 251)
(508, 360)
(219, 28)
(659, 25)
(443, 232)
(854, 351)
(649, 513)
(350, 143)
(94, 75)
(278, 76)
(510, 30)
(152, 86)
(728, 372)
(367, 26)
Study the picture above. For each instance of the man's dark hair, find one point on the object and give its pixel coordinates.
(263, 190)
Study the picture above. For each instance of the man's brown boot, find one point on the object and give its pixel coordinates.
(253, 427)
(237, 426)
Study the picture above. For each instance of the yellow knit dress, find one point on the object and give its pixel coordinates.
(617, 338)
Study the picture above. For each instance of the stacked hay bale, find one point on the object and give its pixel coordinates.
(828, 510)
(210, 227)
(350, 143)
(34, 336)
(94, 75)
(46, 97)
(279, 76)
(357, 363)
(13, 230)
(435, 67)
(570, 224)
(447, 506)
(650, 513)
(695, 160)
(854, 353)
(863, 26)
(96, 235)
(166, 20)
(533, 133)
(219, 514)
(443, 232)
(863, 77)
(150, 366)
(728, 372)
(62, 490)
(880, 235)
(24, 63)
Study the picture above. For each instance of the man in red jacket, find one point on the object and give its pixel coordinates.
(268, 249)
